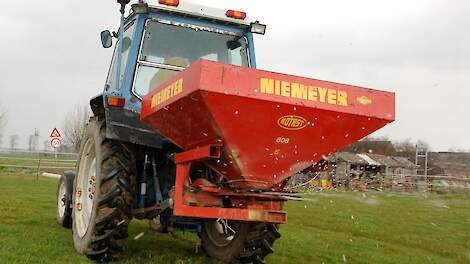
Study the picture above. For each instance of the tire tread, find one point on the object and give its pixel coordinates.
(115, 200)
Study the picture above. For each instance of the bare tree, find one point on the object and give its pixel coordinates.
(423, 144)
(74, 126)
(378, 145)
(13, 141)
(383, 145)
(405, 146)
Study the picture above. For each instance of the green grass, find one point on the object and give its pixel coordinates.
(330, 227)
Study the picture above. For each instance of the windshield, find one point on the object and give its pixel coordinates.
(167, 49)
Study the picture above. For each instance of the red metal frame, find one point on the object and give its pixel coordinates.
(269, 210)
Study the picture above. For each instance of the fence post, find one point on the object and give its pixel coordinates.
(39, 168)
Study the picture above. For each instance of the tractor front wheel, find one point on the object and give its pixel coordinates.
(102, 197)
(64, 199)
(238, 241)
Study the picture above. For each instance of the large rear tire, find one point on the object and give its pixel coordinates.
(238, 241)
(102, 195)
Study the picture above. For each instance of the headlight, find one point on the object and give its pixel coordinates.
(257, 28)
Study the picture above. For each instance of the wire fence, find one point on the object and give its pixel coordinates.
(427, 183)
(387, 183)
(37, 161)
(28, 153)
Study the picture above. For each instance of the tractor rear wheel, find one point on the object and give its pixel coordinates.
(238, 241)
(102, 197)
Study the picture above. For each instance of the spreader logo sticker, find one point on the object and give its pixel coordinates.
(167, 93)
(292, 122)
(364, 100)
(303, 91)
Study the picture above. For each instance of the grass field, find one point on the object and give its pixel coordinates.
(329, 227)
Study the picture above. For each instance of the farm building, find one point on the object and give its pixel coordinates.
(347, 170)
(452, 170)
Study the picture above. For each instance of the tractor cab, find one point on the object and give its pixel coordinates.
(159, 39)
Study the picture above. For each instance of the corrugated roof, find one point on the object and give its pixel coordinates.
(385, 160)
(348, 157)
(369, 160)
(372, 160)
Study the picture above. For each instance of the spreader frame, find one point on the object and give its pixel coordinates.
(268, 210)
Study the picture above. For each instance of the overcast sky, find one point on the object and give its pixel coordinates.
(52, 59)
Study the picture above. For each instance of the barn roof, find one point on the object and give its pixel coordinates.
(367, 159)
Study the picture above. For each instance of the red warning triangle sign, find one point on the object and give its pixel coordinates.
(55, 133)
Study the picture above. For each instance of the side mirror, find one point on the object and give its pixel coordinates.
(106, 39)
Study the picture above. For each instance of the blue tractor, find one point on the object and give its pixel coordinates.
(125, 169)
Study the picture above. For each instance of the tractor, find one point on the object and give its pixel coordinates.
(190, 135)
